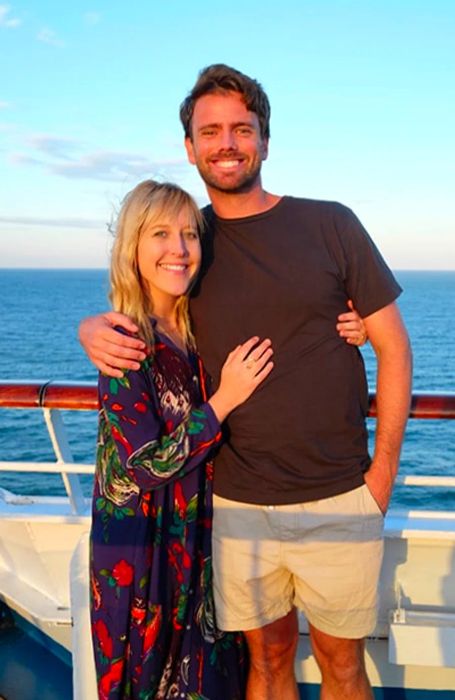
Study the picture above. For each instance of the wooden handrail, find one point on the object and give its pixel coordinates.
(424, 405)
(81, 396)
(77, 396)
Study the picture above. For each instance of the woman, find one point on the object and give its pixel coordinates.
(153, 625)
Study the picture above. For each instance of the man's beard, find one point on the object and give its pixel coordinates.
(239, 185)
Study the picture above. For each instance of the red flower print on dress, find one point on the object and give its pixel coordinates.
(104, 638)
(173, 562)
(95, 592)
(145, 503)
(117, 435)
(180, 500)
(152, 629)
(110, 678)
(138, 611)
(209, 471)
(178, 549)
(123, 573)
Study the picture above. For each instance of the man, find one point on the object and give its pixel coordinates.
(299, 505)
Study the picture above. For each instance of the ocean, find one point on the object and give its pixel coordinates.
(40, 313)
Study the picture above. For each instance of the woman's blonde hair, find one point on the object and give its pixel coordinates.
(146, 203)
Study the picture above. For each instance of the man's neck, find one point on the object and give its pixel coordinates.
(230, 205)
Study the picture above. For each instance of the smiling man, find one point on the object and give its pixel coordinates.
(299, 503)
(228, 159)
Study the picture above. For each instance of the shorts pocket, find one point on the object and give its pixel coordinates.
(372, 501)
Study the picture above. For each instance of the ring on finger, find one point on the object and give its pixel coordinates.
(250, 363)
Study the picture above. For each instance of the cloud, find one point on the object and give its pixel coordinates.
(52, 145)
(92, 18)
(114, 166)
(63, 222)
(23, 159)
(66, 158)
(4, 105)
(5, 20)
(48, 36)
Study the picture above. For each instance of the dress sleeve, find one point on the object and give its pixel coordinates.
(151, 456)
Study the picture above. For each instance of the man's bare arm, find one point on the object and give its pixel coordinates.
(390, 341)
(111, 351)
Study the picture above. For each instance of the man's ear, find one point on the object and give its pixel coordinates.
(190, 150)
(264, 148)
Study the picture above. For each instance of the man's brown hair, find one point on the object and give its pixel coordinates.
(220, 79)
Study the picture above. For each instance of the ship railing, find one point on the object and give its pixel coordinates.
(52, 397)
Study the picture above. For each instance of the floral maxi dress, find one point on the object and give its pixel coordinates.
(153, 626)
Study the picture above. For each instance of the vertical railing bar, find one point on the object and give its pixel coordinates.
(58, 435)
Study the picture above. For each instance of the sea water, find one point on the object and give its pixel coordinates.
(40, 313)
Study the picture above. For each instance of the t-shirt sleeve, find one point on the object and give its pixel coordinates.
(368, 280)
(150, 455)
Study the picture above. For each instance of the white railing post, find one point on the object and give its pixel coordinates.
(57, 433)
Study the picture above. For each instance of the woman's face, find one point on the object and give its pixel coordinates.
(168, 256)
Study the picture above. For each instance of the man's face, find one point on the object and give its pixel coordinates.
(226, 144)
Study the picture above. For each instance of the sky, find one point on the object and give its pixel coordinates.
(363, 112)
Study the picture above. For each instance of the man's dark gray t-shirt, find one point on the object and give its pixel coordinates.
(286, 274)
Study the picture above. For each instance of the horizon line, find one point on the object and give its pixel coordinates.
(106, 269)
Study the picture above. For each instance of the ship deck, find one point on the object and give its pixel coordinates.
(411, 655)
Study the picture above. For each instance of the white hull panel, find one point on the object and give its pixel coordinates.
(38, 540)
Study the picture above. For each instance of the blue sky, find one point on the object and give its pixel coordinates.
(363, 112)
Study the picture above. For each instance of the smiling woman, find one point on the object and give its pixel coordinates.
(152, 611)
(158, 236)
(169, 255)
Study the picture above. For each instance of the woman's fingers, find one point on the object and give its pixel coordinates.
(252, 350)
(245, 348)
(260, 349)
(261, 361)
(251, 357)
(263, 373)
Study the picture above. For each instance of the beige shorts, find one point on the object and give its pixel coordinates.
(324, 557)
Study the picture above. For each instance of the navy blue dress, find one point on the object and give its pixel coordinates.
(153, 621)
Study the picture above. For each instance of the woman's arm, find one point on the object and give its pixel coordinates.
(152, 452)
